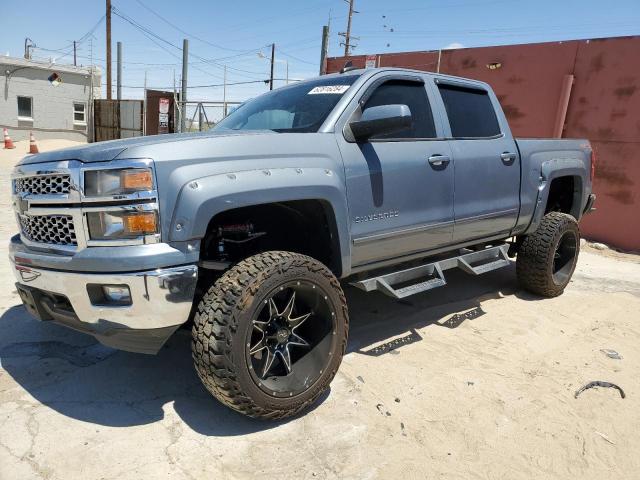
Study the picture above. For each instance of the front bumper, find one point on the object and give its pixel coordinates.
(161, 302)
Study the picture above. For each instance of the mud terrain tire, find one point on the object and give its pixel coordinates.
(226, 319)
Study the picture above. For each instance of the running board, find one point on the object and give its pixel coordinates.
(430, 275)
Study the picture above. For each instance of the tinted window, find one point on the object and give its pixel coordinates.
(413, 95)
(470, 112)
(24, 107)
(298, 108)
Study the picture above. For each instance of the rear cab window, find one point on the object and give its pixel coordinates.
(470, 111)
(410, 93)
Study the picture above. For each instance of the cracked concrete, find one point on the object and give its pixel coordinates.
(475, 379)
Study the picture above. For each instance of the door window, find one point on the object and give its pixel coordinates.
(412, 94)
(470, 111)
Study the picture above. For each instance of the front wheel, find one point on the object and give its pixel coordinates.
(547, 257)
(269, 335)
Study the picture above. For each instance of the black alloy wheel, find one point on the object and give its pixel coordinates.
(269, 334)
(292, 339)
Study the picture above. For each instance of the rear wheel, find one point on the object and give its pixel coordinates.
(547, 258)
(270, 334)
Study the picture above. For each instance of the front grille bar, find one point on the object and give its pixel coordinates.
(49, 229)
(56, 184)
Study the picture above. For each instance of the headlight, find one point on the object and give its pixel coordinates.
(114, 225)
(102, 183)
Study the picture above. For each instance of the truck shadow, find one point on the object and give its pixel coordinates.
(72, 374)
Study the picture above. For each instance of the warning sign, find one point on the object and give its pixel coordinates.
(163, 115)
(371, 61)
(164, 105)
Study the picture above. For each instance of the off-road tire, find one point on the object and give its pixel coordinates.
(535, 260)
(225, 313)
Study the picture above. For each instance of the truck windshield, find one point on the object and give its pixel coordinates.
(297, 108)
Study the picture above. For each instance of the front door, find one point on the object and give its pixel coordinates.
(399, 186)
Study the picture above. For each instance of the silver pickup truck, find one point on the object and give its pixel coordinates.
(381, 178)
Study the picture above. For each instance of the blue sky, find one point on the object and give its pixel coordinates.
(234, 33)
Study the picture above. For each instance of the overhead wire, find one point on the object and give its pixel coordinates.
(192, 35)
(214, 85)
(150, 33)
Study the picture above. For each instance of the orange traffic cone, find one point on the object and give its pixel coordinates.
(8, 143)
(33, 148)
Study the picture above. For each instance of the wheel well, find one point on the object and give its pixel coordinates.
(564, 196)
(302, 226)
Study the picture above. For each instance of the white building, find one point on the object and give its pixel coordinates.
(53, 101)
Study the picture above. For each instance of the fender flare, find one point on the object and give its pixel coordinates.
(558, 168)
(202, 199)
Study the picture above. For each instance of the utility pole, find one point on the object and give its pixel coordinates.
(323, 49)
(28, 47)
(108, 15)
(273, 59)
(183, 93)
(144, 106)
(224, 93)
(92, 128)
(119, 79)
(75, 63)
(347, 34)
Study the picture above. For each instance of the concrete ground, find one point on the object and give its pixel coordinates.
(473, 380)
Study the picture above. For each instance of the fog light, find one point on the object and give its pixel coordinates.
(117, 294)
(109, 295)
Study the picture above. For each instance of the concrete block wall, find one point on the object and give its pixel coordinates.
(52, 106)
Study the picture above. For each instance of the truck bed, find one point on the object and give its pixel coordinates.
(538, 161)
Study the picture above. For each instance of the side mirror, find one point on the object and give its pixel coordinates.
(379, 120)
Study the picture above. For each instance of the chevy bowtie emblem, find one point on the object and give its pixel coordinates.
(27, 274)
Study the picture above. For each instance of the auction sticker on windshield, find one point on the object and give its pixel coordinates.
(337, 89)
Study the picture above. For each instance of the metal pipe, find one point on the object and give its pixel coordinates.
(563, 106)
(183, 93)
(273, 56)
(119, 71)
(323, 50)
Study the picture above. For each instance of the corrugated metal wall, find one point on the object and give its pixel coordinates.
(114, 119)
(603, 106)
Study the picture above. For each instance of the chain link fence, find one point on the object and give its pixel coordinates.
(202, 116)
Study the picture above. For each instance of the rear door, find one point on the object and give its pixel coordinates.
(399, 201)
(487, 163)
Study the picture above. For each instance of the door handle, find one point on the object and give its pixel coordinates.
(508, 157)
(439, 160)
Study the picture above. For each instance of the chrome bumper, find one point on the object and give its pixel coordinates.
(161, 302)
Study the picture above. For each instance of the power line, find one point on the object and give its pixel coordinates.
(149, 32)
(190, 34)
(214, 85)
(68, 50)
(152, 36)
(295, 58)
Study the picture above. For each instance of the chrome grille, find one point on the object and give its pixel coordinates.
(43, 184)
(52, 229)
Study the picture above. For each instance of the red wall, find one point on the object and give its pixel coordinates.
(604, 106)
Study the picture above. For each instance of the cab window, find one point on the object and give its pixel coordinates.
(470, 111)
(412, 94)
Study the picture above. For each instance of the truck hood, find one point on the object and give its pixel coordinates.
(106, 151)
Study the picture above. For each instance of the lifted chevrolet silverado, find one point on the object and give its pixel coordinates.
(382, 178)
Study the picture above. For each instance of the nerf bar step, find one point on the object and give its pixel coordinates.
(430, 275)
